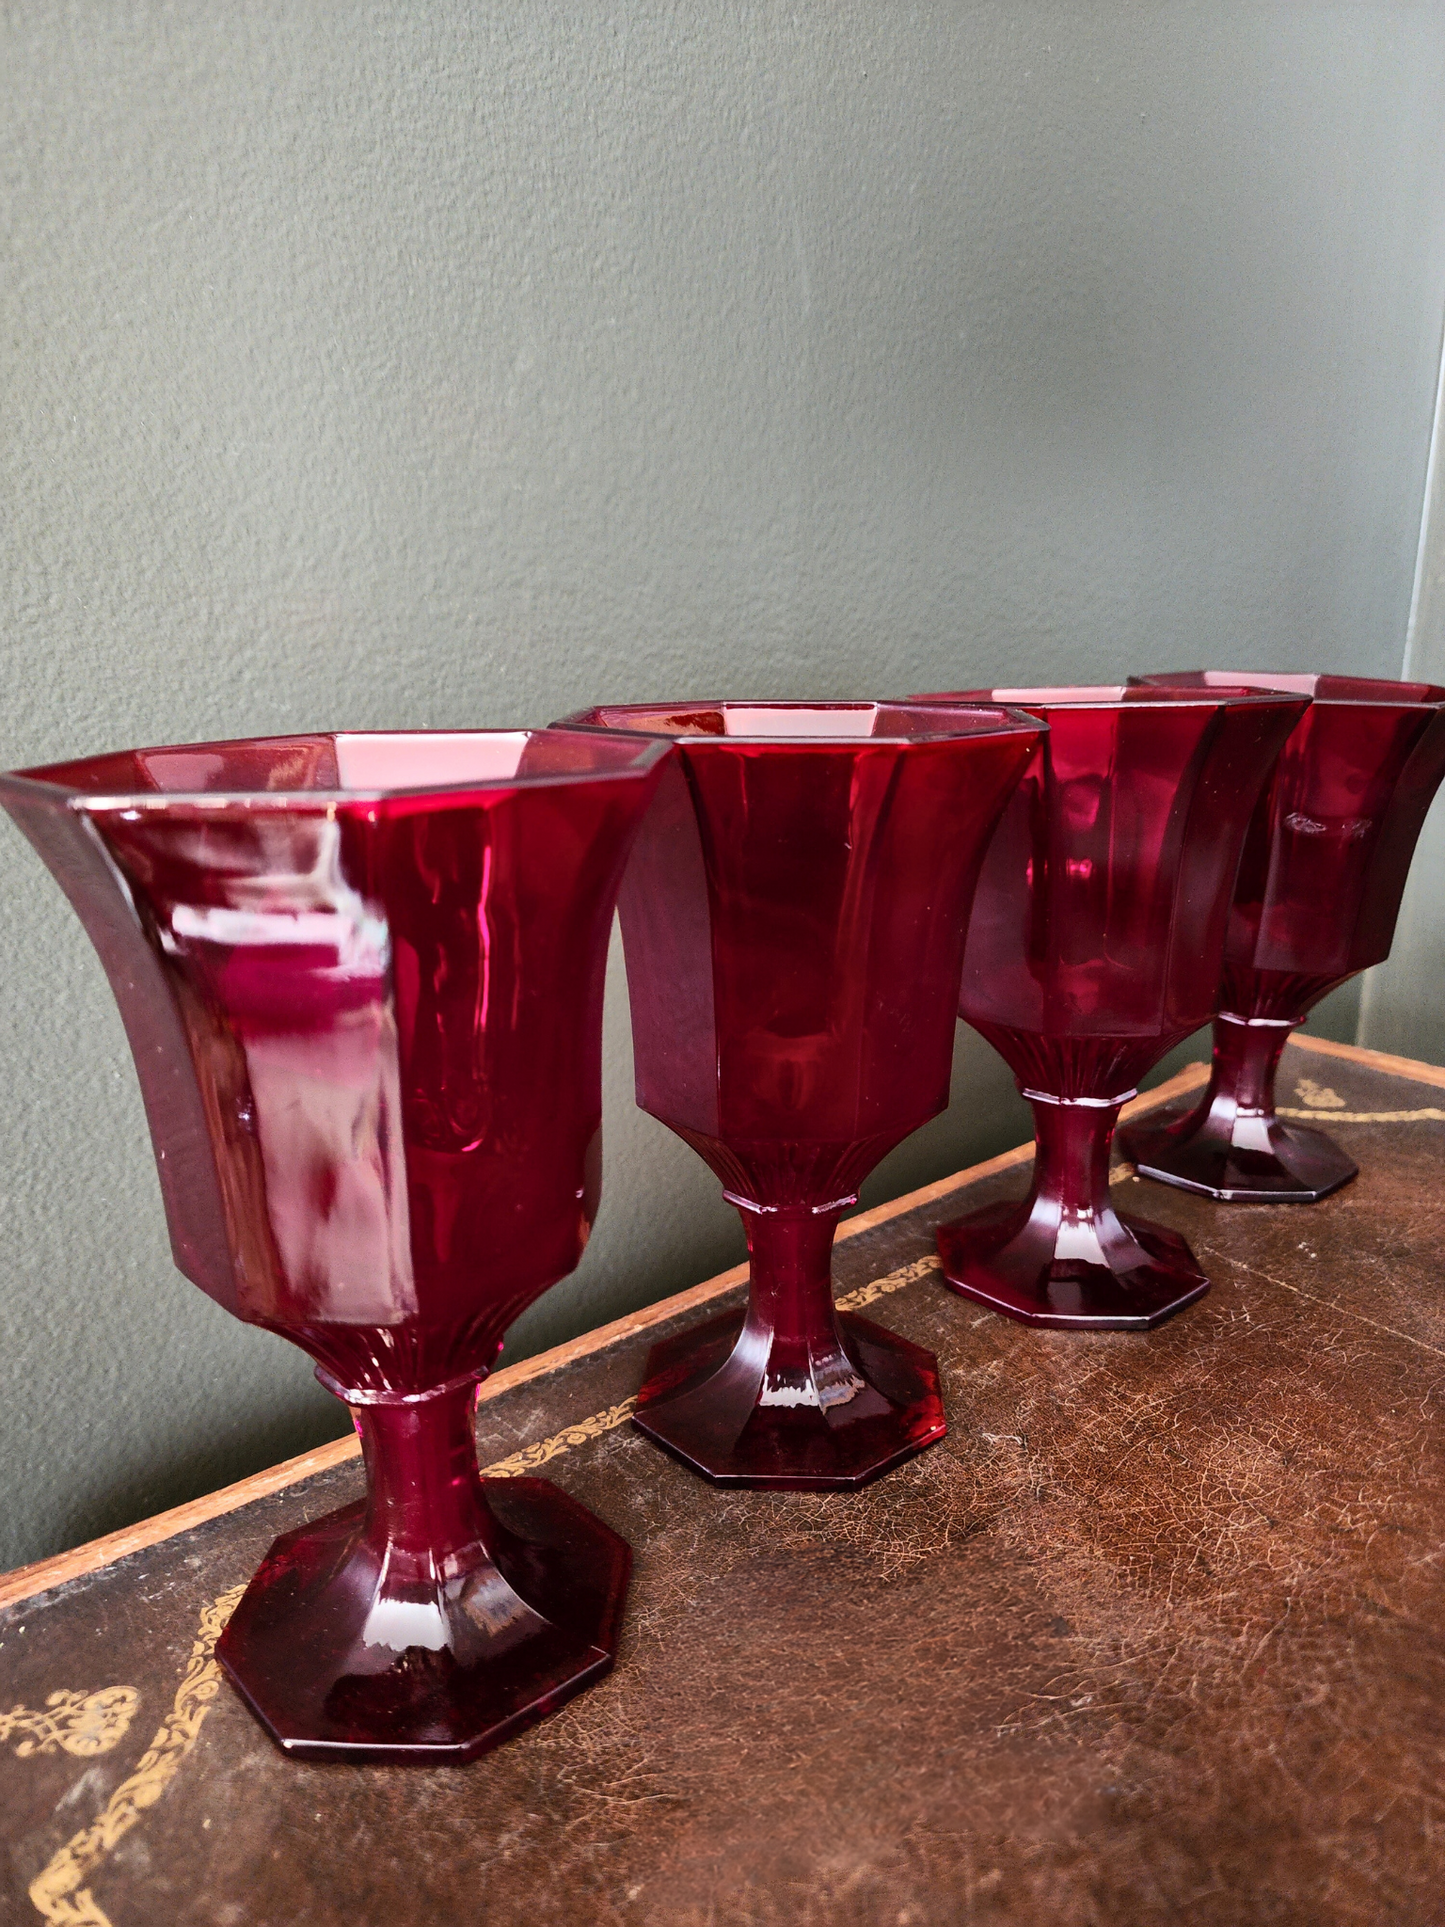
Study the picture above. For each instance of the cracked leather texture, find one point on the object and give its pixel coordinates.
(1155, 1635)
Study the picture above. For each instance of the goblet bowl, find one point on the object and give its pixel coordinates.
(1324, 866)
(361, 976)
(793, 918)
(1095, 945)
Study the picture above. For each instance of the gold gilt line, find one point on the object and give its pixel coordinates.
(531, 1456)
(59, 1892)
(1366, 1117)
(894, 1281)
(82, 1724)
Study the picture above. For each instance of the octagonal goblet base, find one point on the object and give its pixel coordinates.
(328, 1668)
(704, 1400)
(1288, 1164)
(1231, 1144)
(1008, 1258)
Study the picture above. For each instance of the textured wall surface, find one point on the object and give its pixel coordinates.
(394, 365)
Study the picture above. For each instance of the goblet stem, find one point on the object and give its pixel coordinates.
(1071, 1174)
(428, 1524)
(1232, 1144)
(438, 1616)
(791, 1321)
(1064, 1257)
(794, 1394)
(1247, 1051)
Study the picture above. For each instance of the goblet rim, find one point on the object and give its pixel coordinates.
(1001, 719)
(1252, 683)
(46, 778)
(1082, 696)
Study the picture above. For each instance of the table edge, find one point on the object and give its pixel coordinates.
(1375, 1060)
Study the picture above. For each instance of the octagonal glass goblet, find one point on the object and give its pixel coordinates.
(361, 977)
(792, 917)
(1094, 946)
(1319, 889)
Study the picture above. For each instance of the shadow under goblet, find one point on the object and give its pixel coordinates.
(361, 977)
(1319, 888)
(1094, 946)
(793, 917)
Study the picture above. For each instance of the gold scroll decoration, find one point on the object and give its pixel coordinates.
(1329, 1107)
(83, 1724)
(59, 1892)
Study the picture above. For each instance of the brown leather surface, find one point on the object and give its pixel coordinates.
(1155, 1635)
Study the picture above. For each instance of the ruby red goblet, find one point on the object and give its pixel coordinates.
(1319, 888)
(792, 918)
(1094, 946)
(361, 976)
